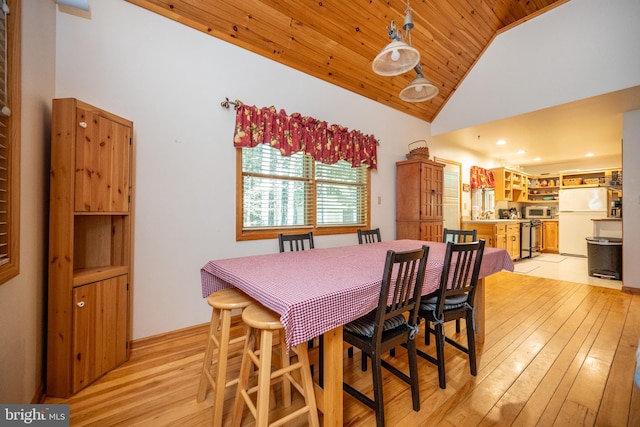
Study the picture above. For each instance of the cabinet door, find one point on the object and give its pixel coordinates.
(432, 185)
(99, 329)
(501, 237)
(540, 232)
(102, 169)
(431, 231)
(551, 236)
(513, 240)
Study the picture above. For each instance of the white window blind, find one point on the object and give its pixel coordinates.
(295, 191)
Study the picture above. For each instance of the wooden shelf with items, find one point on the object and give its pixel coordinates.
(510, 185)
(543, 188)
(584, 179)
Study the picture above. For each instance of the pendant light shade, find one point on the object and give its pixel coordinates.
(420, 89)
(396, 58)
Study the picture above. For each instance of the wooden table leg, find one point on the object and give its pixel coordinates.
(329, 398)
(480, 311)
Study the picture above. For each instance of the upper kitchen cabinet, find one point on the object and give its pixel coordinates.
(90, 245)
(511, 185)
(419, 195)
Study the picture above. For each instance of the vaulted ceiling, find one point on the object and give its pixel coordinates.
(336, 40)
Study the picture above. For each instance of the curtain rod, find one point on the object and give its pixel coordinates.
(226, 103)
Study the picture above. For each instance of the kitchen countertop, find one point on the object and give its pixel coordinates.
(493, 221)
(606, 219)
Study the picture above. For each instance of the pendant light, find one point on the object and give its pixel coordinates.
(420, 89)
(397, 57)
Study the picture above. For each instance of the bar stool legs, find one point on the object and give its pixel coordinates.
(222, 302)
(265, 323)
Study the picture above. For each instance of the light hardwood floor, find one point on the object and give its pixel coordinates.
(556, 353)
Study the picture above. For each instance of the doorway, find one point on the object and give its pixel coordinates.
(451, 193)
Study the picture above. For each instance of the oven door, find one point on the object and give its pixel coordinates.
(535, 238)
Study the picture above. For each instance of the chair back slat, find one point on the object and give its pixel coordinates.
(459, 236)
(401, 286)
(369, 236)
(295, 242)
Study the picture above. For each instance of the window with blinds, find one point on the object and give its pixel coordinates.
(9, 138)
(279, 193)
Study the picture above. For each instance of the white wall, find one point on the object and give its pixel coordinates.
(631, 199)
(580, 49)
(22, 298)
(169, 80)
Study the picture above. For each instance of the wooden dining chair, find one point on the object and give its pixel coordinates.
(369, 236)
(453, 300)
(365, 237)
(295, 242)
(459, 236)
(386, 327)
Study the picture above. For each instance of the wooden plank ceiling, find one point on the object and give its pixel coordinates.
(336, 40)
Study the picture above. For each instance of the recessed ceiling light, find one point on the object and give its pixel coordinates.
(501, 142)
(537, 159)
(589, 155)
(522, 151)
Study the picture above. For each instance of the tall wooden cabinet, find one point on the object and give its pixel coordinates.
(90, 245)
(419, 207)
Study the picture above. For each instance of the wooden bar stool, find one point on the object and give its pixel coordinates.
(222, 302)
(264, 322)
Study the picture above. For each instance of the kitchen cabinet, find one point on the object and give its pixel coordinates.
(419, 193)
(90, 245)
(510, 185)
(512, 236)
(550, 233)
(486, 231)
(498, 234)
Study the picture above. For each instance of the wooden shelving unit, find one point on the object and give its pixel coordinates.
(90, 245)
(543, 188)
(593, 178)
(510, 185)
(419, 200)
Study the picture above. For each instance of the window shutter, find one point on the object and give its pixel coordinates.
(4, 140)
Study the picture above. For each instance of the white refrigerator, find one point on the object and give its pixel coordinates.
(576, 208)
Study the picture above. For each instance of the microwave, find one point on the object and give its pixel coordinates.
(540, 212)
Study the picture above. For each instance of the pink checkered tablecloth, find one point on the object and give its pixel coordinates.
(317, 290)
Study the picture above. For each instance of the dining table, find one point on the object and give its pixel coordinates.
(317, 291)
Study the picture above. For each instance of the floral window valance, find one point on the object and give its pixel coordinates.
(291, 134)
(482, 178)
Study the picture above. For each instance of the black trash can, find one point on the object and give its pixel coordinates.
(605, 257)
